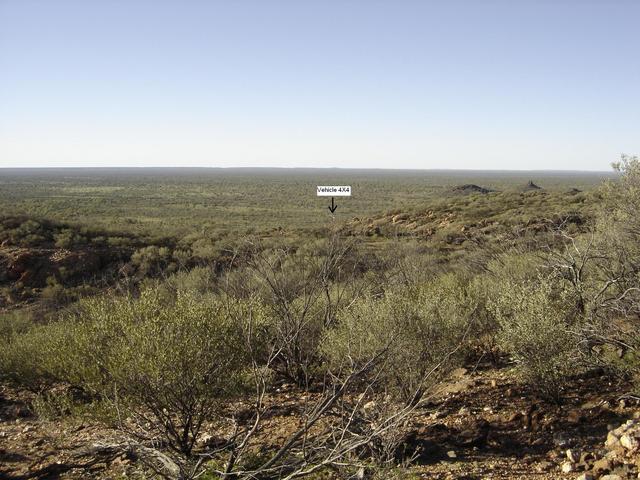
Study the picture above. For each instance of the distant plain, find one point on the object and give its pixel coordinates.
(223, 202)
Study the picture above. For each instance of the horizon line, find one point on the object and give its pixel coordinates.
(306, 168)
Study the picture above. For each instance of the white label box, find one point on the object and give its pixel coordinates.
(334, 190)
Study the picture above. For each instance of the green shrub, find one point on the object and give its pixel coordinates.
(151, 260)
(14, 323)
(505, 268)
(198, 280)
(613, 288)
(68, 238)
(165, 364)
(422, 331)
(34, 358)
(54, 294)
(301, 292)
(174, 362)
(539, 328)
(73, 405)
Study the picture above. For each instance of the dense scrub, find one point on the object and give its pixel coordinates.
(364, 329)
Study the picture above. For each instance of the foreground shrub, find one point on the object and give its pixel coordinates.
(500, 269)
(164, 366)
(28, 356)
(538, 327)
(421, 331)
(14, 323)
(167, 365)
(301, 290)
(614, 267)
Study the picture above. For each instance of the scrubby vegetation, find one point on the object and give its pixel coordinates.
(176, 344)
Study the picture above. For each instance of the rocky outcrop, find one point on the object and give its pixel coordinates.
(618, 460)
(32, 267)
(531, 186)
(470, 188)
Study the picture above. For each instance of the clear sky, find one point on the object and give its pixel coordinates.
(483, 84)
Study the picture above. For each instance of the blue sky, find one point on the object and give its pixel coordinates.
(480, 84)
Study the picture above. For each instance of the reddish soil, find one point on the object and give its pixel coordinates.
(480, 425)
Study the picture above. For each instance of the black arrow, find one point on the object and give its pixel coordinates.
(333, 207)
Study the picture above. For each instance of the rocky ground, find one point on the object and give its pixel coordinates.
(481, 424)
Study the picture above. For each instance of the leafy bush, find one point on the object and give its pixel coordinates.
(421, 330)
(172, 363)
(34, 358)
(165, 365)
(151, 260)
(301, 291)
(54, 294)
(14, 323)
(538, 327)
(612, 263)
(499, 270)
(67, 238)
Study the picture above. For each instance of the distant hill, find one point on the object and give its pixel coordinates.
(470, 188)
(531, 186)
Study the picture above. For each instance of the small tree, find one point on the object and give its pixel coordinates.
(614, 268)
